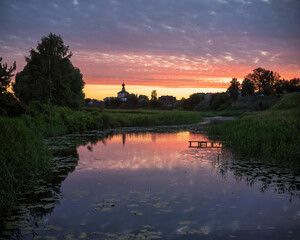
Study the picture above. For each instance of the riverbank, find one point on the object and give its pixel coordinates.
(24, 158)
(271, 135)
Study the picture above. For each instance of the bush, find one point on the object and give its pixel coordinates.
(219, 101)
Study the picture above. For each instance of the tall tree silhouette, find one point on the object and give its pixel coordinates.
(49, 75)
(5, 76)
(233, 89)
(264, 79)
(248, 87)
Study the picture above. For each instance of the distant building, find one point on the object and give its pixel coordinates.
(123, 94)
(167, 99)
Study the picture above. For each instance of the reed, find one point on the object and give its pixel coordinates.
(268, 135)
(23, 157)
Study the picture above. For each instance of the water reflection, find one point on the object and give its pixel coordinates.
(143, 151)
(269, 176)
(152, 185)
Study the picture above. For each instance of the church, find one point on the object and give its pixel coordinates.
(123, 94)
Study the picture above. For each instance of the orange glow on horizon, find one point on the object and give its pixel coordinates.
(102, 91)
(179, 75)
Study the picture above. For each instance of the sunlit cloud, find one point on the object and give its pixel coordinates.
(171, 44)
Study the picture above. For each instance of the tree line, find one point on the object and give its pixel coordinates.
(49, 77)
(265, 82)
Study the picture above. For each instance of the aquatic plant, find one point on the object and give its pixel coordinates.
(268, 135)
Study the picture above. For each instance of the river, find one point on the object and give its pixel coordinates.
(151, 185)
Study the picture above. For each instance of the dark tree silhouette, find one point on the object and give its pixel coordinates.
(264, 79)
(192, 101)
(5, 76)
(248, 87)
(49, 76)
(153, 95)
(143, 98)
(9, 106)
(233, 89)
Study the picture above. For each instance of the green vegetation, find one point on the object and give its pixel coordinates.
(219, 101)
(192, 101)
(49, 75)
(233, 90)
(52, 121)
(268, 135)
(23, 158)
(289, 101)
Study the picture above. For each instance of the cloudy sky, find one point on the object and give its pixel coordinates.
(174, 46)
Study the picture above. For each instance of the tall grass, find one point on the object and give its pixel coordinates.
(23, 156)
(52, 121)
(268, 135)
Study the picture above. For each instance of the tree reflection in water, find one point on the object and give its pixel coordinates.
(270, 176)
(41, 201)
(32, 213)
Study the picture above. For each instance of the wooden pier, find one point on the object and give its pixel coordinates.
(205, 144)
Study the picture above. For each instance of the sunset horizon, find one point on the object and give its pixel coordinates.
(150, 119)
(175, 47)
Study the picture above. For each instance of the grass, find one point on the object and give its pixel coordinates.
(223, 113)
(53, 121)
(23, 157)
(267, 135)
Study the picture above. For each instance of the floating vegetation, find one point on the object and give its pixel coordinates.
(184, 222)
(137, 213)
(52, 227)
(133, 205)
(82, 235)
(160, 204)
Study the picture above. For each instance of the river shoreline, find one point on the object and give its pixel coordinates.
(152, 177)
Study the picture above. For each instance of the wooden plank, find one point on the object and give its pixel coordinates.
(206, 144)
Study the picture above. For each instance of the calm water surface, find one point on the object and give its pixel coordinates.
(153, 186)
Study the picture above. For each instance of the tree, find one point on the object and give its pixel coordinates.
(143, 98)
(49, 75)
(219, 101)
(132, 101)
(8, 103)
(264, 79)
(192, 101)
(5, 76)
(233, 89)
(153, 95)
(248, 87)
(113, 102)
(294, 85)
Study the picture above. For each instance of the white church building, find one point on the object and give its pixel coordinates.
(123, 94)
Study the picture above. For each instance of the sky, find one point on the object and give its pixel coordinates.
(177, 47)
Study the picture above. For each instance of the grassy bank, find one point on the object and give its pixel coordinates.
(23, 156)
(53, 121)
(268, 135)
